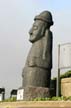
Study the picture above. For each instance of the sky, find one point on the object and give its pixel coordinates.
(16, 18)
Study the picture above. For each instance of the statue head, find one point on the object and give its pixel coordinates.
(42, 22)
(45, 16)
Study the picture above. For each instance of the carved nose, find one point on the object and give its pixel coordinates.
(30, 32)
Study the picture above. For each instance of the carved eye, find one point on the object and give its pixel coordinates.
(35, 27)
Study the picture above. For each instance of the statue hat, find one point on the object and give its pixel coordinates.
(45, 16)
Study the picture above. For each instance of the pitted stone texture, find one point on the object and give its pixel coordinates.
(35, 92)
(37, 77)
(37, 70)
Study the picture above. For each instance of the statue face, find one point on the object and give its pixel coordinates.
(37, 30)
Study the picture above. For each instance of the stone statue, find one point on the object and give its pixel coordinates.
(37, 70)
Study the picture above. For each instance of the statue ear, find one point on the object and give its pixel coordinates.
(43, 31)
(45, 44)
(46, 32)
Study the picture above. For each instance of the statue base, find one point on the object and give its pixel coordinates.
(35, 92)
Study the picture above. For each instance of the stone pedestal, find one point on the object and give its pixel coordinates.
(35, 92)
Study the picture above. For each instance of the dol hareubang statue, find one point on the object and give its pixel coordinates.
(37, 70)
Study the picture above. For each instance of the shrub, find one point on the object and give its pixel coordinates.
(53, 99)
(66, 74)
(12, 99)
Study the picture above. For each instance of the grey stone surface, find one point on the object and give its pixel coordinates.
(36, 76)
(37, 70)
(35, 92)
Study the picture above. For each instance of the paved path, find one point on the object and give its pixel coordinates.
(36, 104)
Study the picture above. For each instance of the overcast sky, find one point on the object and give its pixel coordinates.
(16, 18)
